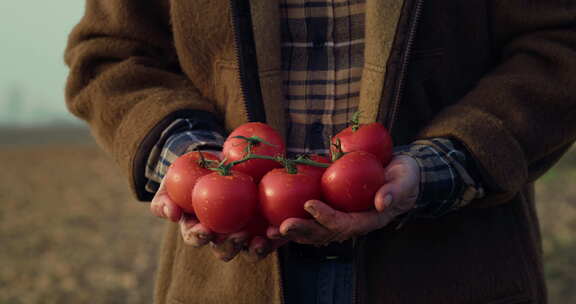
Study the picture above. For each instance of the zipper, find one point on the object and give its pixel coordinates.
(390, 120)
(392, 116)
(245, 49)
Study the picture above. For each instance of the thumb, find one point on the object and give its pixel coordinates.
(383, 198)
(390, 191)
(401, 186)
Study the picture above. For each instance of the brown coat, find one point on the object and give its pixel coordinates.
(497, 75)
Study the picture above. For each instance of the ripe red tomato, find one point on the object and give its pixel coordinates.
(182, 176)
(225, 204)
(351, 182)
(312, 169)
(373, 138)
(258, 226)
(283, 195)
(234, 149)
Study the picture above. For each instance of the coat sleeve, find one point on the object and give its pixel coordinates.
(521, 117)
(125, 81)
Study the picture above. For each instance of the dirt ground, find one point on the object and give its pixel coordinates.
(71, 233)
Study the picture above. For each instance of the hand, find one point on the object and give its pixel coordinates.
(224, 247)
(397, 196)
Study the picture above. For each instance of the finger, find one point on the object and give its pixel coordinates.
(343, 225)
(162, 206)
(157, 203)
(190, 227)
(273, 233)
(384, 197)
(225, 250)
(261, 247)
(394, 199)
(346, 225)
(328, 217)
(156, 208)
(305, 231)
(204, 233)
(401, 190)
(240, 240)
(171, 211)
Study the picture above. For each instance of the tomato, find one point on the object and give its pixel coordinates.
(351, 182)
(373, 138)
(312, 169)
(258, 226)
(182, 176)
(283, 195)
(234, 149)
(225, 204)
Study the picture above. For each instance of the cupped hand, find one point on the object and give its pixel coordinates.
(224, 247)
(396, 197)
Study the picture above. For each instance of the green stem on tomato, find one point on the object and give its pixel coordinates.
(226, 169)
(337, 151)
(302, 160)
(205, 163)
(355, 121)
(255, 140)
(250, 156)
(290, 164)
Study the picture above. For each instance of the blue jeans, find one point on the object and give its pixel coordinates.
(309, 281)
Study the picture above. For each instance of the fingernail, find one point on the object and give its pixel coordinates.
(387, 200)
(310, 208)
(166, 211)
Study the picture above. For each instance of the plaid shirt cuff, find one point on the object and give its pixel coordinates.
(180, 137)
(447, 177)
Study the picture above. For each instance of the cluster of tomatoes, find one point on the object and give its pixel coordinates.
(256, 186)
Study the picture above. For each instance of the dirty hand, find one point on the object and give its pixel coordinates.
(224, 247)
(396, 197)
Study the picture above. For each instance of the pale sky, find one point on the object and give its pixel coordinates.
(33, 36)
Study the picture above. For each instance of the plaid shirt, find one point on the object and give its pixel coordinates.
(322, 55)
